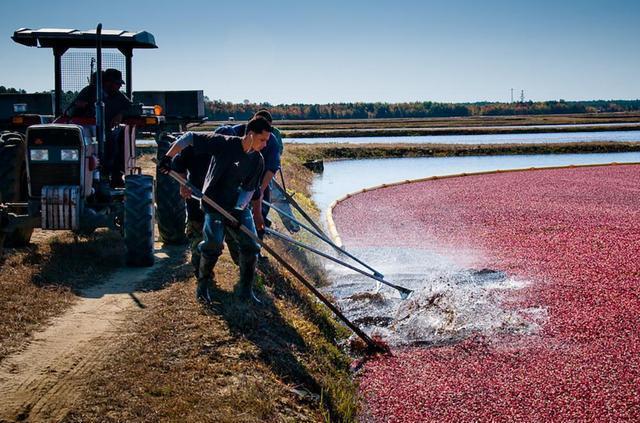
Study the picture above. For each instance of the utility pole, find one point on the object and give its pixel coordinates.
(522, 96)
(512, 95)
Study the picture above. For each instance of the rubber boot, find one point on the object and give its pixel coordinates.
(247, 277)
(195, 262)
(234, 251)
(205, 279)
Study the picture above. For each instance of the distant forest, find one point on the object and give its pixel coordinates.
(220, 110)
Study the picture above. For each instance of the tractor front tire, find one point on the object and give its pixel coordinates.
(170, 205)
(139, 220)
(13, 181)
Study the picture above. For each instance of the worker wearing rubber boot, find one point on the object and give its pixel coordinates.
(271, 154)
(232, 177)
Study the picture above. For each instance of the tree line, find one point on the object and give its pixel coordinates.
(221, 110)
(10, 90)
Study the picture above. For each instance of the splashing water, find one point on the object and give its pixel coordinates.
(449, 303)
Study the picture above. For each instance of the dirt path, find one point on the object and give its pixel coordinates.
(41, 382)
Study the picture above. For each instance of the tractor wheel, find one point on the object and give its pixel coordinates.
(139, 220)
(13, 181)
(171, 207)
(12, 166)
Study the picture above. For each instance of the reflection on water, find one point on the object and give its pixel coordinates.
(347, 176)
(541, 138)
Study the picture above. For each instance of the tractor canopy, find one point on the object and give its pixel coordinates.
(73, 38)
(72, 70)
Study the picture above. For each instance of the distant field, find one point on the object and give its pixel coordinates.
(446, 126)
(304, 152)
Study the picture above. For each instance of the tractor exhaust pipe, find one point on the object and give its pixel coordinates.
(100, 125)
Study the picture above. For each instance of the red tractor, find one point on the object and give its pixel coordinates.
(51, 174)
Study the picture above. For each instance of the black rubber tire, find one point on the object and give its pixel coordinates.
(139, 220)
(12, 166)
(171, 208)
(13, 181)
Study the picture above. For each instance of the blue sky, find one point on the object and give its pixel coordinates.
(332, 51)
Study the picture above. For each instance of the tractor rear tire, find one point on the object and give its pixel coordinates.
(171, 207)
(13, 181)
(139, 220)
(12, 166)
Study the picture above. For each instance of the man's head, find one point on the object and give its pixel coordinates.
(265, 114)
(112, 80)
(258, 131)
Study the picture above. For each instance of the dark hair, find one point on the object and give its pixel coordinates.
(258, 124)
(265, 114)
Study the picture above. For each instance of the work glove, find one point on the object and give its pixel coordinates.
(164, 166)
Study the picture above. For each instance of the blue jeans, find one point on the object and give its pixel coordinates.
(214, 232)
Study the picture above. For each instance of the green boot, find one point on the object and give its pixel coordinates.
(206, 279)
(247, 277)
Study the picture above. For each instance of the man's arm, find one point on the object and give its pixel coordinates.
(180, 164)
(256, 201)
(202, 142)
(271, 154)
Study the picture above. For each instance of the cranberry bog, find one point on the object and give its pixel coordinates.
(527, 302)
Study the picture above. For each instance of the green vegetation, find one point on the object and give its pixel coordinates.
(5, 90)
(220, 110)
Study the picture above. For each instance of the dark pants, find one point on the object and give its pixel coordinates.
(266, 197)
(214, 233)
(113, 163)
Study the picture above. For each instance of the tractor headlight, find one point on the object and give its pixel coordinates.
(39, 155)
(69, 155)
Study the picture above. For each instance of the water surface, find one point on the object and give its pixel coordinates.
(536, 138)
(347, 176)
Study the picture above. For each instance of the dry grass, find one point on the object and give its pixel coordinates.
(39, 282)
(184, 362)
(180, 361)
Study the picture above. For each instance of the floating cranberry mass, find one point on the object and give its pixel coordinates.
(575, 233)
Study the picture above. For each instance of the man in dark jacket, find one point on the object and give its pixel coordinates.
(116, 103)
(232, 177)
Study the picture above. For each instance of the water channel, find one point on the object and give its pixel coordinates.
(525, 138)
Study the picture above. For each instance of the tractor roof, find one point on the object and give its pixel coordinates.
(73, 38)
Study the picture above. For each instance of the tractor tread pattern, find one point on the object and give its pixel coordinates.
(171, 208)
(13, 180)
(139, 220)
